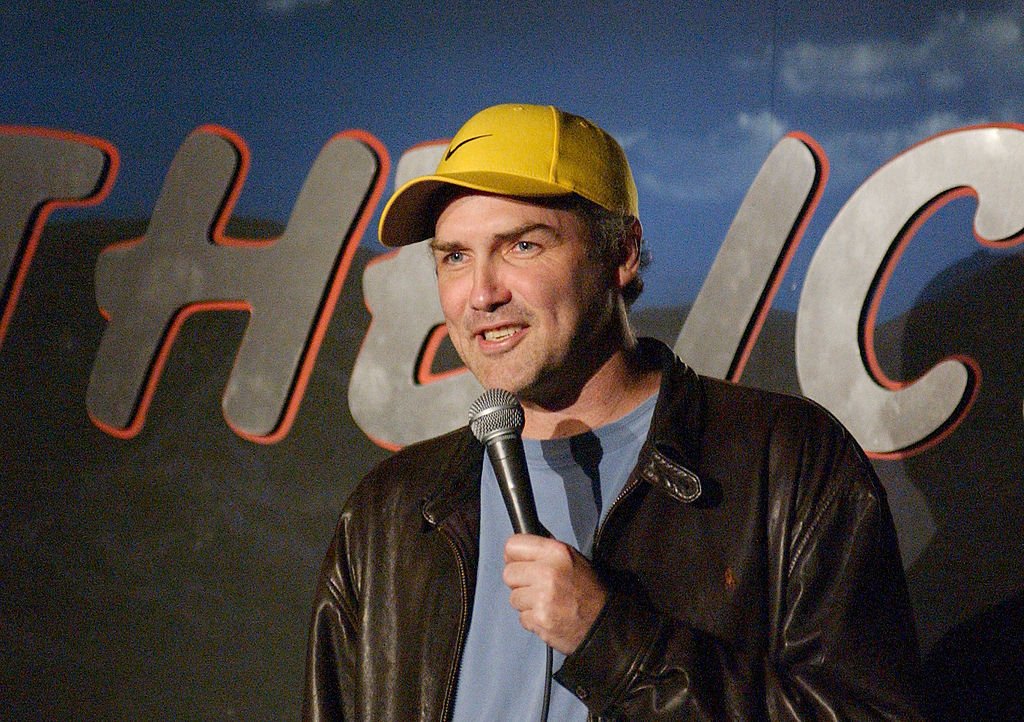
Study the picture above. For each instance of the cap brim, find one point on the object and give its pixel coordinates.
(411, 213)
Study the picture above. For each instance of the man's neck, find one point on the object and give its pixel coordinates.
(621, 384)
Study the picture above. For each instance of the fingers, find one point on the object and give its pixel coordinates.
(535, 560)
(554, 589)
(527, 547)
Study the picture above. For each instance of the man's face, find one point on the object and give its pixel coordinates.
(527, 307)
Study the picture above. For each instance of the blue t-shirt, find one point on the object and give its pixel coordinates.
(574, 482)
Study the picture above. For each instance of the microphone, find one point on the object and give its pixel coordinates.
(496, 419)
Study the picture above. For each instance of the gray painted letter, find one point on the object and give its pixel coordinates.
(183, 265)
(727, 315)
(385, 399)
(834, 323)
(37, 166)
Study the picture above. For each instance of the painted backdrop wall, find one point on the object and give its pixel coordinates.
(168, 574)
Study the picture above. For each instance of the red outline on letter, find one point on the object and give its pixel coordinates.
(44, 209)
(873, 303)
(323, 317)
(337, 282)
(424, 373)
(764, 304)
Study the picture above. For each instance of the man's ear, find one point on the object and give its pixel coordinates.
(629, 265)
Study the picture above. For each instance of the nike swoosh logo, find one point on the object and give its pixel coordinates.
(451, 152)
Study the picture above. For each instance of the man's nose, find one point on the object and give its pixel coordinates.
(489, 289)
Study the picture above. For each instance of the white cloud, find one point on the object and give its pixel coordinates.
(713, 166)
(946, 80)
(939, 122)
(961, 70)
(859, 152)
(998, 33)
(719, 166)
(631, 139)
(862, 70)
(941, 58)
(286, 7)
(953, 56)
(764, 125)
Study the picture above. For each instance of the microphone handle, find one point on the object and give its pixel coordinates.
(509, 462)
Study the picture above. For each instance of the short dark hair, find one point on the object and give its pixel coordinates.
(607, 229)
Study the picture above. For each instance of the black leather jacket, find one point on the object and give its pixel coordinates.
(751, 561)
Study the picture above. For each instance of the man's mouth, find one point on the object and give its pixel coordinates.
(500, 334)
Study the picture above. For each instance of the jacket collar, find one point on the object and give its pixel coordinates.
(460, 480)
(667, 459)
(672, 449)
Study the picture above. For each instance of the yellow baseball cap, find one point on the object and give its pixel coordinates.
(530, 151)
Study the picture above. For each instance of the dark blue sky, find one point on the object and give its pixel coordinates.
(698, 93)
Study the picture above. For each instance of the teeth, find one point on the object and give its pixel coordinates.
(499, 334)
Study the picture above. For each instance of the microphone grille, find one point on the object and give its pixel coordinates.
(496, 411)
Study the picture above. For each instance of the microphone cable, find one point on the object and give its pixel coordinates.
(547, 686)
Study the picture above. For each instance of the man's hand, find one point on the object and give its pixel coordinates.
(555, 589)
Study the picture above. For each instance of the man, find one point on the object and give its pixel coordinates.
(717, 552)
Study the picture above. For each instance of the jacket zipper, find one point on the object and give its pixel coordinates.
(630, 485)
(448, 709)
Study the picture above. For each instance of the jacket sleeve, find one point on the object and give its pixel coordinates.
(841, 640)
(330, 653)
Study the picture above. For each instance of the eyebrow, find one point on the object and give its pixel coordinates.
(436, 245)
(515, 233)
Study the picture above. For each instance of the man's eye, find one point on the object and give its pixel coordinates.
(453, 257)
(525, 246)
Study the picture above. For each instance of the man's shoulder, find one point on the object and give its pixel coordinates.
(436, 449)
(415, 470)
(704, 408)
(793, 435)
(775, 410)
(705, 400)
